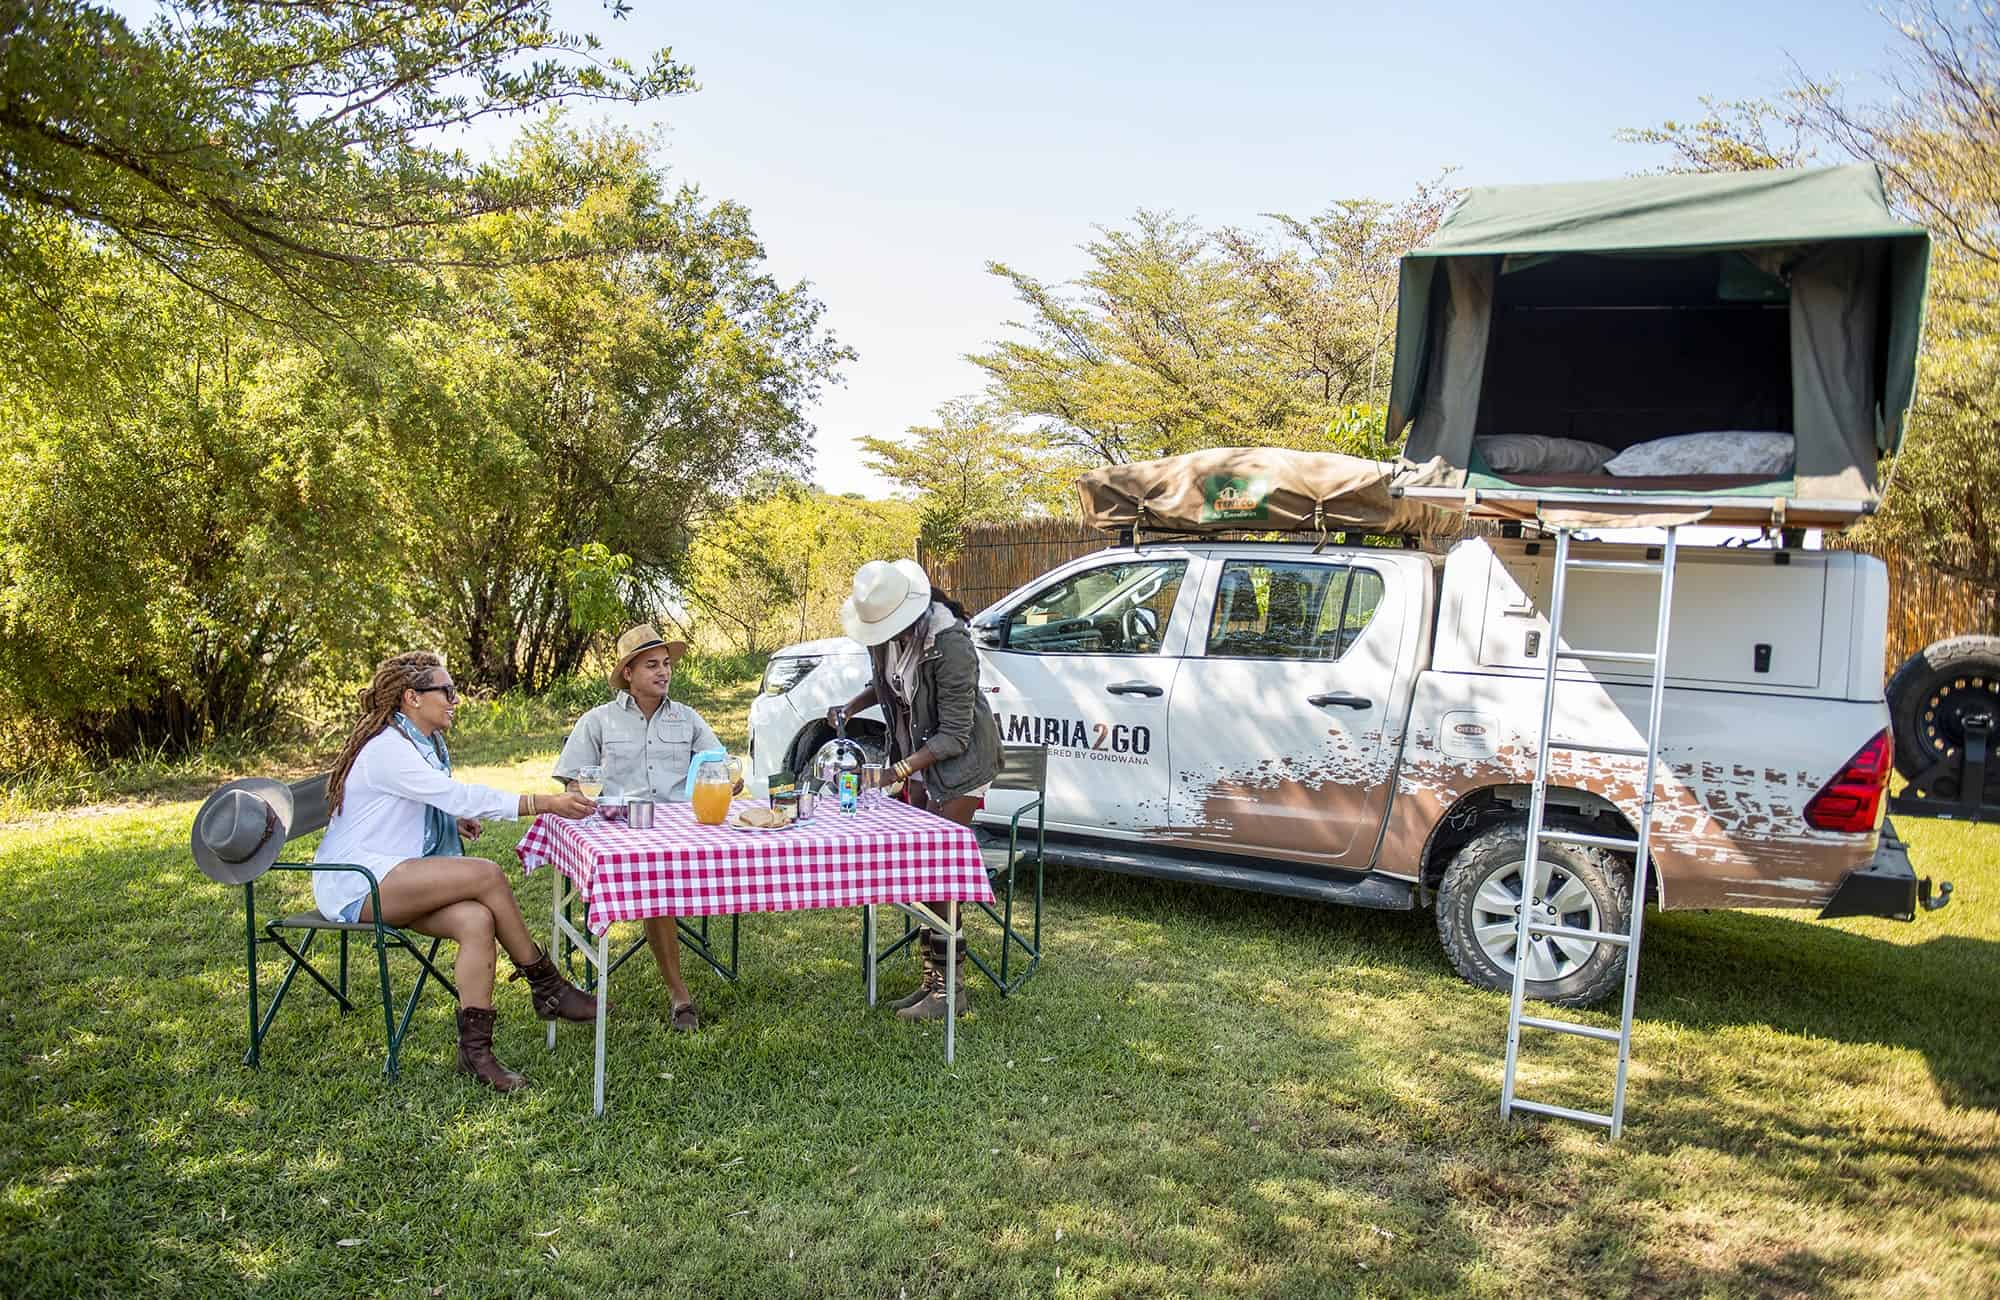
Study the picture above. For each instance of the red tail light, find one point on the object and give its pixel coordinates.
(1852, 801)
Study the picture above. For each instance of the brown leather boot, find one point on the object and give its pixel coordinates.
(931, 1006)
(933, 976)
(555, 997)
(475, 1051)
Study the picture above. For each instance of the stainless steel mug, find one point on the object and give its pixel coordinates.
(639, 814)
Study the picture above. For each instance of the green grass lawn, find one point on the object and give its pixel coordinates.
(1203, 1093)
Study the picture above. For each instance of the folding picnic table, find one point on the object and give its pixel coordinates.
(886, 854)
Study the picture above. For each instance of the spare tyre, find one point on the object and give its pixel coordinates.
(1933, 694)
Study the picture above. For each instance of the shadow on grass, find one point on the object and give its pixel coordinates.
(1201, 1093)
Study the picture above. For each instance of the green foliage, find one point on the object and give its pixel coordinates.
(774, 567)
(181, 547)
(1937, 142)
(223, 523)
(1179, 338)
(282, 159)
(972, 467)
(600, 401)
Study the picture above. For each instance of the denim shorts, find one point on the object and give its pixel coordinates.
(352, 912)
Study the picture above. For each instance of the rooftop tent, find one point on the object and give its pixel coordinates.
(1617, 312)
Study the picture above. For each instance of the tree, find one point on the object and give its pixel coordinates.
(225, 516)
(1936, 139)
(193, 538)
(280, 159)
(970, 468)
(775, 566)
(1178, 338)
(610, 401)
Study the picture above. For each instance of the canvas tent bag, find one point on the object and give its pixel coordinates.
(1260, 489)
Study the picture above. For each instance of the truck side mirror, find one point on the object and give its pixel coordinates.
(990, 631)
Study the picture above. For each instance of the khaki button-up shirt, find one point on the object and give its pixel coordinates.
(640, 756)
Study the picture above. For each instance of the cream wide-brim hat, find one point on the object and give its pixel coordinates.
(888, 597)
(637, 641)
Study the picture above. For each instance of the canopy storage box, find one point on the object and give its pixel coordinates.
(1615, 313)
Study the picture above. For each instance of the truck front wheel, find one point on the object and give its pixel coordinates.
(1584, 888)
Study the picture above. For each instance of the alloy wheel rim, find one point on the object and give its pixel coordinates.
(1564, 900)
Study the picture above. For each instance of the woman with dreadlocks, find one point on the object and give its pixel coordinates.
(397, 812)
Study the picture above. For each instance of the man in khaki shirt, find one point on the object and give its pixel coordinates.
(643, 741)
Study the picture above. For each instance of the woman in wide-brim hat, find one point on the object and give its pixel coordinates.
(943, 740)
(397, 811)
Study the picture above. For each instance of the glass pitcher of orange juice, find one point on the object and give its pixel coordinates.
(712, 787)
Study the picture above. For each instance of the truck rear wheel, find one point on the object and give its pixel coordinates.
(1585, 888)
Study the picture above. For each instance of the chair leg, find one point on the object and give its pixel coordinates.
(250, 1057)
(424, 960)
(343, 963)
(1007, 926)
(388, 1010)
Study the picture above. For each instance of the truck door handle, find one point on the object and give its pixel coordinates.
(1341, 698)
(1146, 689)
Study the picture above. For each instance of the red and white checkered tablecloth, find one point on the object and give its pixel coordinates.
(886, 853)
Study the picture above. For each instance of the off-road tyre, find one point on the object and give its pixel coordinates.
(1496, 854)
(1931, 695)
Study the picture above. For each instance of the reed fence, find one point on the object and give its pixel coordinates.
(1925, 604)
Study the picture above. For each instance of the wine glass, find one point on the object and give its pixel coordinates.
(590, 780)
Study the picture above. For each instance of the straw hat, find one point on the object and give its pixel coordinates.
(241, 829)
(888, 597)
(635, 642)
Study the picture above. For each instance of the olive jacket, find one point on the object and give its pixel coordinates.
(949, 714)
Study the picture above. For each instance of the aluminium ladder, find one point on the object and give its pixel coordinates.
(1530, 927)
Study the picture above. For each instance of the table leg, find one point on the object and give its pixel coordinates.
(556, 933)
(868, 945)
(603, 991)
(951, 983)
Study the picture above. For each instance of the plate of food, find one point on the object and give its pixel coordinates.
(759, 818)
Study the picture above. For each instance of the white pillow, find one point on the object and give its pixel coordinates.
(1732, 451)
(1532, 453)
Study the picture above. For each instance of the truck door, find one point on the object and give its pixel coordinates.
(1086, 665)
(1280, 708)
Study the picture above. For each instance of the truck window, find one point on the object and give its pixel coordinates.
(1113, 609)
(1268, 609)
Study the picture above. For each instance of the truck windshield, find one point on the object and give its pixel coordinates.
(1112, 609)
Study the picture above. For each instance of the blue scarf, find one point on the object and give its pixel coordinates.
(440, 827)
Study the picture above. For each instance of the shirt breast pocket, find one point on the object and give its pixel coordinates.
(624, 766)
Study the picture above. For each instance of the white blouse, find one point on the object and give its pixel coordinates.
(381, 817)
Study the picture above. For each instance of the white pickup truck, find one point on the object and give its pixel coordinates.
(1359, 725)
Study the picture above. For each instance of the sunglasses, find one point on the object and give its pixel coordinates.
(450, 691)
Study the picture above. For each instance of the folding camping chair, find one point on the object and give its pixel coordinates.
(310, 814)
(1022, 768)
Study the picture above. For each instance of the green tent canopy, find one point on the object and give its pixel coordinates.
(1616, 312)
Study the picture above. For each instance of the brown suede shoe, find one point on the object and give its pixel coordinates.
(931, 1005)
(933, 977)
(475, 1051)
(555, 997)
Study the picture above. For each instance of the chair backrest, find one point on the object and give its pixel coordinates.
(309, 807)
(309, 815)
(1022, 767)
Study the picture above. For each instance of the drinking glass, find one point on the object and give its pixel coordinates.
(590, 780)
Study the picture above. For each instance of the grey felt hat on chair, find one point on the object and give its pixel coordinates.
(241, 829)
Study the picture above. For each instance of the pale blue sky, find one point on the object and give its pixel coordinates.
(888, 151)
